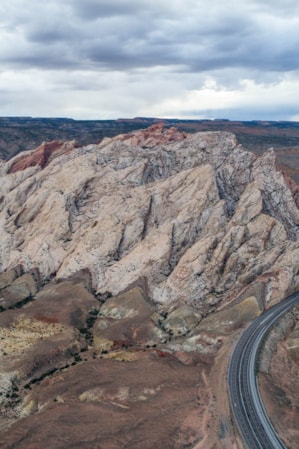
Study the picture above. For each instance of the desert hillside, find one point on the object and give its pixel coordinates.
(128, 269)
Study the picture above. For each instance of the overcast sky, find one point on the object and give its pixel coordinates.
(100, 59)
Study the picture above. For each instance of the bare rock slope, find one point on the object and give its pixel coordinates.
(127, 269)
(197, 215)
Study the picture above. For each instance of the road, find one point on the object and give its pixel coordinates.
(246, 403)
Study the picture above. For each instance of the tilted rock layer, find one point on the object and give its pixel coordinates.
(196, 215)
(112, 259)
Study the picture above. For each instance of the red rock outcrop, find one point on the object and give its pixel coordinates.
(42, 155)
(153, 136)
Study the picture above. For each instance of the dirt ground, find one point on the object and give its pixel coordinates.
(279, 390)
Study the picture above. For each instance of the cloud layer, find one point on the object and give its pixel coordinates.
(112, 58)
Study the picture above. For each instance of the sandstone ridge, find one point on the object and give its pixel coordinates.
(197, 215)
(127, 269)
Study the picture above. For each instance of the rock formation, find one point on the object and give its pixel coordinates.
(154, 248)
(198, 216)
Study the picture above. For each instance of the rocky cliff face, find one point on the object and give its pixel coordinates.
(154, 248)
(198, 216)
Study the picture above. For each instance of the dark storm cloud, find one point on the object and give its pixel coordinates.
(149, 49)
(93, 9)
(119, 35)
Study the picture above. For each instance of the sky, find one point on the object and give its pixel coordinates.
(188, 59)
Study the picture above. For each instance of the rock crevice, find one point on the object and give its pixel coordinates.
(140, 205)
